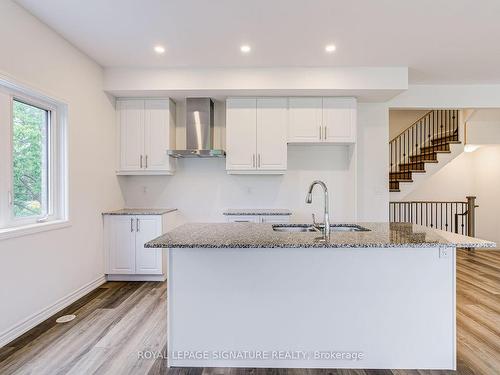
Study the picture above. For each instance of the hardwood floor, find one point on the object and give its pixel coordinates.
(120, 320)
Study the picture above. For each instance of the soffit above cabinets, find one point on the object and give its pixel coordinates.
(367, 84)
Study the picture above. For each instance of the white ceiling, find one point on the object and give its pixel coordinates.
(445, 41)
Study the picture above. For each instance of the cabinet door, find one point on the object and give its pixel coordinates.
(272, 133)
(305, 118)
(156, 134)
(241, 134)
(339, 120)
(131, 124)
(121, 245)
(147, 261)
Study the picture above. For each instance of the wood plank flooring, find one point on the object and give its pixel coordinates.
(121, 319)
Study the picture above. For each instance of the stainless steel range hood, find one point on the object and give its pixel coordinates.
(199, 131)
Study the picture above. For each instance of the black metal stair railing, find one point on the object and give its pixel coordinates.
(420, 143)
(457, 217)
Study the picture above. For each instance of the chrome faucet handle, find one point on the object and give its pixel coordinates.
(315, 223)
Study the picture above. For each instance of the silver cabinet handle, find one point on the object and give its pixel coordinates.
(253, 160)
(141, 161)
(324, 134)
(146, 162)
(132, 225)
(137, 226)
(258, 160)
(320, 135)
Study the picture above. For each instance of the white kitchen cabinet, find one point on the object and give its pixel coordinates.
(305, 120)
(241, 134)
(243, 219)
(130, 115)
(322, 120)
(274, 219)
(147, 261)
(126, 257)
(339, 120)
(146, 131)
(272, 134)
(121, 245)
(256, 133)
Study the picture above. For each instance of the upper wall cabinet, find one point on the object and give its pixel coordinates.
(256, 134)
(146, 131)
(322, 120)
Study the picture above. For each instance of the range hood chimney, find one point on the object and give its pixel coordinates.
(199, 131)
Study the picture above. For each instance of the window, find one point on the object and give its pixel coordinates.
(30, 160)
(33, 180)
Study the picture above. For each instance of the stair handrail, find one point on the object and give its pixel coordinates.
(442, 214)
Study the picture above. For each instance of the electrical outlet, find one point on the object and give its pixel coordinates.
(444, 252)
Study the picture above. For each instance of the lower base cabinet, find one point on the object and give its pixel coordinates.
(126, 258)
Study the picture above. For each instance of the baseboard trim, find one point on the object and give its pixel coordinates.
(161, 277)
(35, 319)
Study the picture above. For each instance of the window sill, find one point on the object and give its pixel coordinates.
(26, 230)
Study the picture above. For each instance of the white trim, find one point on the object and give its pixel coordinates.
(35, 319)
(26, 230)
(144, 172)
(124, 277)
(256, 171)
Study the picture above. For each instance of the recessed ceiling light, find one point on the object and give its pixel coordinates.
(160, 50)
(245, 48)
(330, 48)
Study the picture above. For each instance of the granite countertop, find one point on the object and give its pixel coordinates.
(253, 235)
(257, 211)
(141, 211)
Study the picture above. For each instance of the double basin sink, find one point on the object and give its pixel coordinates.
(294, 228)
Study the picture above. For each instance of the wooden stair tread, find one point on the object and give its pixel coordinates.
(394, 190)
(436, 148)
(433, 152)
(400, 180)
(454, 135)
(427, 161)
(418, 162)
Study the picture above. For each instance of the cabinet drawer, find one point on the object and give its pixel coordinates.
(243, 219)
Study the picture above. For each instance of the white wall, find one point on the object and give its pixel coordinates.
(201, 189)
(483, 127)
(401, 119)
(486, 188)
(476, 174)
(39, 269)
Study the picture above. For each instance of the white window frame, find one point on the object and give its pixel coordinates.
(58, 213)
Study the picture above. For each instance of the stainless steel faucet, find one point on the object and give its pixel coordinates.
(326, 230)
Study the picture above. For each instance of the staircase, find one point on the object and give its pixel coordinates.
(417, 147)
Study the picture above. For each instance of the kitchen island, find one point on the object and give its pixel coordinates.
(260, 295)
